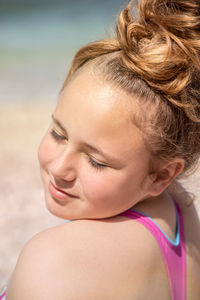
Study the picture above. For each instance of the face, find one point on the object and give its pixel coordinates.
(94, 163)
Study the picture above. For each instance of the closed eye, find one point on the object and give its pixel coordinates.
(95, 164)
(57, 136)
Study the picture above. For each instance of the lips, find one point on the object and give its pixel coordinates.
(58, 193)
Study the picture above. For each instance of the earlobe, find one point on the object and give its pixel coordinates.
(163, 177)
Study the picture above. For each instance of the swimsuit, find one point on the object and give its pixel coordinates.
(173, 251)
(3, 294)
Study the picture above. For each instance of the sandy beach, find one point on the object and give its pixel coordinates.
(22, 209)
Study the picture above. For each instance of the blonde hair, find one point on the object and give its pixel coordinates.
(155, 57)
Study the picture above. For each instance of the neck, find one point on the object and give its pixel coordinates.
(154, 203)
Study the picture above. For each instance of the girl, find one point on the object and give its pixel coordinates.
(125, 127)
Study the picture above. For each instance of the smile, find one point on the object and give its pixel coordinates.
(59, 194)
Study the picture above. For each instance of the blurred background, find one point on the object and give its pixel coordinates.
(38, 39)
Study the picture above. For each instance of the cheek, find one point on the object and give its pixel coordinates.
(110, 190)
(98, 187)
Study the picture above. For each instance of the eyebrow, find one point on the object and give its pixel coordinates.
(115, 160)
(101, 152)
(59, 124)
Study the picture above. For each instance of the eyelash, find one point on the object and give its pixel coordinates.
(92, 162)
(57, 136)
(95, 164)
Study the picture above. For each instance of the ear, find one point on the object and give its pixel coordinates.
(165, 174)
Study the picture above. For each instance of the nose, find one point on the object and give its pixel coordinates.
(64, 166)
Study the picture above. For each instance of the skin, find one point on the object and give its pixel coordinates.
(69, 162)
(94, 257)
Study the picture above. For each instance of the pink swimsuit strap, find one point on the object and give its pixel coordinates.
(173, 251)
(3, 294)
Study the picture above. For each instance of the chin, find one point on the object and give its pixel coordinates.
(58, 210)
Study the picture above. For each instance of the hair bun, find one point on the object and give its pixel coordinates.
(162, 46)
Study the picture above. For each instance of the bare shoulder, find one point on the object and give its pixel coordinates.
(105, 259)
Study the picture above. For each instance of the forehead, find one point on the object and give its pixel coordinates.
(90, 92)
(98, 112)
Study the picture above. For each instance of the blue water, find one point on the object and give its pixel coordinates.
(37, 43)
